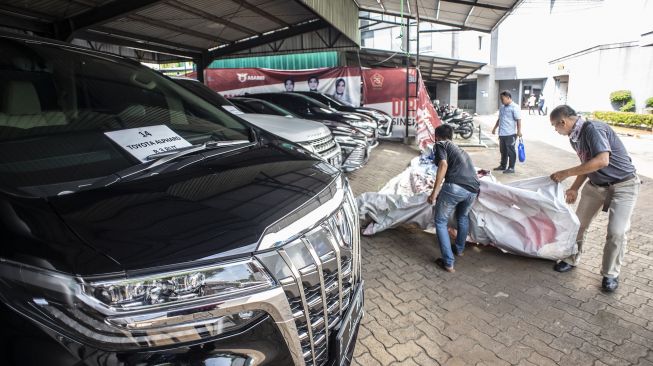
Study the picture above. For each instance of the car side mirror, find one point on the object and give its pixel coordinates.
(252, 135)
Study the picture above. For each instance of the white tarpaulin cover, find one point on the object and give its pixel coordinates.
(402, 200)
(528, 217)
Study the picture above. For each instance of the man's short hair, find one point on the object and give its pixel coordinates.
(444, 132)
(287, 80)
(561, 111)
(313, 77)
(506, 93)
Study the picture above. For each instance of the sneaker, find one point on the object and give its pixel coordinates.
(441, 264)
(509, 171)
(499, 168)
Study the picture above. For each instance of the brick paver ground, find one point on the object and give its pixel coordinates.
(500, 309)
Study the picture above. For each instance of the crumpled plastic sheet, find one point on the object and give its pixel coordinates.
(402, 200)
(528, 217)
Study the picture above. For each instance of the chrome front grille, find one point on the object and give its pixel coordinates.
(358, 155)
(324, 145)
(318, 272)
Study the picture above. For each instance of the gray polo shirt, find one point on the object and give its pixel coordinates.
(508, 116)
(597, 137)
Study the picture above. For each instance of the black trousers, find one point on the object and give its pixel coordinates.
(508, 150)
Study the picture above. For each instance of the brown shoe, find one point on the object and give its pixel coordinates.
(440, 264)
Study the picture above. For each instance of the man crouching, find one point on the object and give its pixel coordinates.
(458, 193)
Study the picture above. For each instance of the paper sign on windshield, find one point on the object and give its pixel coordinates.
(145, 141)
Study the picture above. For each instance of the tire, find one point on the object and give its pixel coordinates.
(465, 132)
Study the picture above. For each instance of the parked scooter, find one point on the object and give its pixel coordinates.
(462, 122)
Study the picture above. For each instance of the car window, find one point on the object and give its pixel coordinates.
(243, 106)
(57, 103)
(312, 102)
(267, 108)
(330, 100)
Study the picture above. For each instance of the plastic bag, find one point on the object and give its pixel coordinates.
(521, 150)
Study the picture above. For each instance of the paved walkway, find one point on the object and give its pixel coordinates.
(500, 309)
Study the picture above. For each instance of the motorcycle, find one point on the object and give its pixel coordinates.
(462, 122)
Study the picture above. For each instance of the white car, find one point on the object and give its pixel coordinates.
(312, 136)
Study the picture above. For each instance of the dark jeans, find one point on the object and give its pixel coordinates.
(508, 153)
(452, 197)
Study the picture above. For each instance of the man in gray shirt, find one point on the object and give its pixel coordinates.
(613, 185)
(509, 125)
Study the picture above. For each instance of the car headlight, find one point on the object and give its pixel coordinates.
(347, 141)
(120, 314)
(359, 124)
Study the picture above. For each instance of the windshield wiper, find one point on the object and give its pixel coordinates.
(163, 157)
(166, 156)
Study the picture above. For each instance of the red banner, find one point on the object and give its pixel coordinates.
(342, 83)
(385, 89)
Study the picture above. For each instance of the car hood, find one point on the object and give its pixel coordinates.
(33, 234)
(216, 208)
(293, 129)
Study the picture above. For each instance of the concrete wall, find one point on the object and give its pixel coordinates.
(469, 105)
(594, 75)
(487, 91)
(447, 93)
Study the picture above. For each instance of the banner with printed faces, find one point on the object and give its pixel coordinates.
(342, 83)
(385, 89)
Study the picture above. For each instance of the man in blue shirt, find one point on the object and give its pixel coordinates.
(613, 185)
(509, 125)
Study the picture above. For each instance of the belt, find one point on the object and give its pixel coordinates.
(632, 176)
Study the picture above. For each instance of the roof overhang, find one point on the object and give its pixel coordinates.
(478, 15)
(190, 29)
(433, 68)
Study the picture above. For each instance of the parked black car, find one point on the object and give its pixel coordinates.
(352, 141)
(308, 134)
(309, 108)
(143, 226)
(383, 119)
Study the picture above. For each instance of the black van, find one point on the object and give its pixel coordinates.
(143, 226)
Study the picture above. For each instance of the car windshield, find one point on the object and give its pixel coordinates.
(68, 115)
(312, 102)
(324, 98)
(264, 107)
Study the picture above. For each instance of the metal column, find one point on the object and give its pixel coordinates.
(407, 76)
